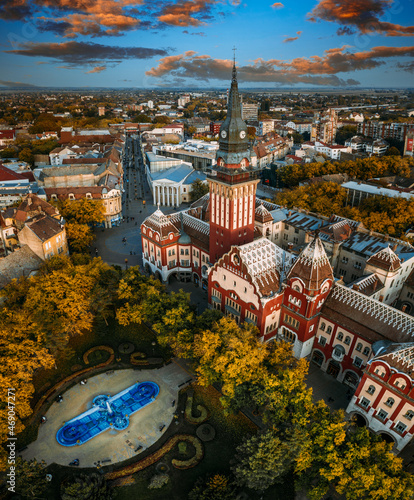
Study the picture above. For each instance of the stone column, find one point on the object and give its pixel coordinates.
(163, 195)
(154, 188)
(168, 195)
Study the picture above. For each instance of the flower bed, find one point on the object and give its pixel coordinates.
(193, 461)
(99, 348)
(189, 410)
(69, 378)
(138, 358)
(157, 455)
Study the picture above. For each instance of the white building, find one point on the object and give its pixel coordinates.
(173, 186)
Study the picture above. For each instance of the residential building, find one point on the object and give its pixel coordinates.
(250, 111)
(385, 130)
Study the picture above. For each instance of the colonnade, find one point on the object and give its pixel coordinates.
(167, 195)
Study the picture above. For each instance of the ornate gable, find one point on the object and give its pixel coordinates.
(312, 266)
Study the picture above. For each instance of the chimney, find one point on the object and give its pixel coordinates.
(394, 248)
(290, 246)
(375, 285)
(355, 287)
(381, 299)
(403, 308)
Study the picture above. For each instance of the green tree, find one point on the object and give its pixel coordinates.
(198, 189)
(262, 461)
(86, 487)
(393, 151)
(344, 133)
(216, 487)
(31, 479)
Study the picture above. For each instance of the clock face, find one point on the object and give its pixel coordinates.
(223, 134)
(242, 134)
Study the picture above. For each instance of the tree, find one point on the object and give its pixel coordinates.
(31, 479)
(80, 236)
(26, 155)
(217, 487)
(229, 354)
(86, 487)
(393, 151)
(262, 461)
(344, 133)
(198, 189)
(83, 211)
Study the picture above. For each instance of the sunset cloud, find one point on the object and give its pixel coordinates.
(364, 15)
(277, 5)
(183, 13)
(71, 19)
(292, 38)
(315, 70)
(97, 69)
(84, 53)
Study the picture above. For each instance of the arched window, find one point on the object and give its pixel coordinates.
(358, 347)
(371, 389)
(323, 326)
(340, 336)
(390, 402)
(380, 371)
(329, 329)
(347, 340)
(366, 351)
(409, 415)
(401, 383)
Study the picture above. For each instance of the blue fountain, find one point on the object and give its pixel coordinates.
(107, 413)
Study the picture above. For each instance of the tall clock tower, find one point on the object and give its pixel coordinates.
(233, 183)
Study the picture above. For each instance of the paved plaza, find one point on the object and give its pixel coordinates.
(111, 446)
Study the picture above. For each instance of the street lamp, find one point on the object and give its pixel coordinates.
(126, 264)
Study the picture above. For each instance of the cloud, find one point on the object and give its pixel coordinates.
(197, 33)
(315, 70)
(72, 18)
(96, 69)
(83, 53)
(16, 84)
(277, 5)
(183, 13)
(362, 14)
(292, 38)
(409, 67)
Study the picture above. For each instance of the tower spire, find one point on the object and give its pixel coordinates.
(234, 74)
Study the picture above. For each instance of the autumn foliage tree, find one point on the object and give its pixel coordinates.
(80, 216)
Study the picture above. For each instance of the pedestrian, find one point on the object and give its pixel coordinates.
(96, 251)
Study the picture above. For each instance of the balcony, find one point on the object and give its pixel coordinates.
(338, 353)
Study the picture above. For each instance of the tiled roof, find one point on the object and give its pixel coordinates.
(312, 266)
(385, 259)
(399, 356)
(19, 263)
(161, 224)
(371, 318)
(44, 227)
(9, 175)
(33, 203)
(368, 285)
(262, 214)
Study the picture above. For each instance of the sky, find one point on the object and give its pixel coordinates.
(189, 43)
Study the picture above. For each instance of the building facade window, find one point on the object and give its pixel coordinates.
(371, 389)
(365, 402)
(322, 341)
(382, 414)
(400, 427)
(357, 362)
(390, 402)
